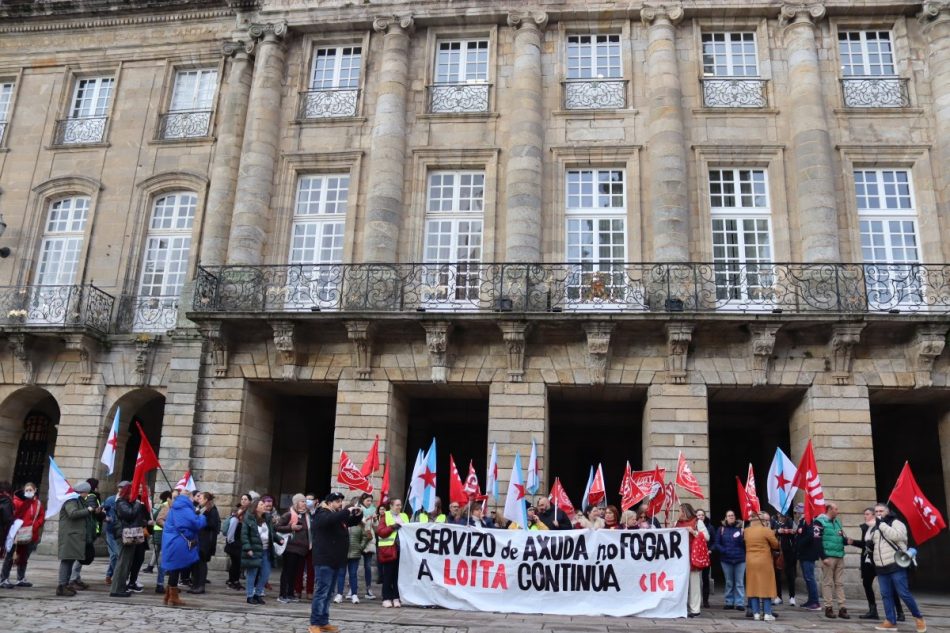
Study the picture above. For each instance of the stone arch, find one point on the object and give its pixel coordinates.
(145, 405)
(24, 444)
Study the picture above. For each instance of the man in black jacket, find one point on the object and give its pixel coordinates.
(330, 536)
(808, 550)
(552, 516)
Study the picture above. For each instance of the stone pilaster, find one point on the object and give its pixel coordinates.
(936, 28)
(384, 203)
(676, 418)
(517, 413)
(77, 435)
(179, 428)
(227, 155)
(525, 141)
(666, 141)
(811, 139)
(252, 198)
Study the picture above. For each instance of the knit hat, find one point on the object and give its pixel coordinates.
(297, 498)
(82, 486)
(253, 494)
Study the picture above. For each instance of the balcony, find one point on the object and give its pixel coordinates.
(147, 314)
(184, 124)
(62, 306)
(734, 92)
(328, 103)
(80, 131)
(595, 94)
(875, 92)
(458, 98)
(575, 287)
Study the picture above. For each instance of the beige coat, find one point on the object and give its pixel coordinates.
(759, 569)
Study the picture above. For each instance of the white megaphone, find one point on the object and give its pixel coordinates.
(905, 558)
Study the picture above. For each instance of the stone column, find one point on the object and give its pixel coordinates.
(666, 139)
(252, 199)
(517, 412)
(936, 28)
(525, 141)
(227, 156)
(384, 204)
(676, 418)
(179, 427)
(811, 140)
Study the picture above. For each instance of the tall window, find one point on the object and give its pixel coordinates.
(86, 118)
(317, 239)
(741, 232)
(593, 57)
(52, 297)
(453, 235)
(730, 55)
(596, 233)
(336, 67)
(461, 61)
(189, 113)
(866, 54)
(888, 224)
(6, 96)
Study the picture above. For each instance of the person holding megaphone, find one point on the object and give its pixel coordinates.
(886, 537)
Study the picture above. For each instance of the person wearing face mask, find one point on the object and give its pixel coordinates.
(28, 509)
(310, 503)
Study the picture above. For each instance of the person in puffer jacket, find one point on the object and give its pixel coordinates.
(886, 537)
(729, 542)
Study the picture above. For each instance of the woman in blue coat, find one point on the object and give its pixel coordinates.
(180, 542)
(730, 543)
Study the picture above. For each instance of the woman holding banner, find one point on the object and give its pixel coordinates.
(760, 541)
(387, 551)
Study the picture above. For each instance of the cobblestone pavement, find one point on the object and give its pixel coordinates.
(36, 610)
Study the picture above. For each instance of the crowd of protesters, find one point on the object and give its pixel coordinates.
(323, 544)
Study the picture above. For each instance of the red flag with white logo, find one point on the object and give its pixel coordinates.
(657, 492)
(630, 493)
(685, 478)
(456, 489)
(752, 496)
(471, 488)
(560, 499)
(923, 518)
(597, 493)
(744, 508)
(807, 479)
(350, 476)
(145, 462)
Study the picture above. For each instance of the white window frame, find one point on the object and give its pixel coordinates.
(865, 52)
(467, 69)
(6, 100)
(202, 94)
(63, 235)
(100, 84)
(599, 50)
(336, 77)
(728, 57)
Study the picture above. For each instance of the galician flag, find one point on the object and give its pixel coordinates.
(416, 482)
(112, 443)
(59, 490)
(187, 482)
(422, 486)
(534, 481)
(780, 488)
(585, 503)
(491, 477)
(516, 508)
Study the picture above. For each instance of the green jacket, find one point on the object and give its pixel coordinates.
(74, 530)
(832, 543)
(251, 541)
(359, 537)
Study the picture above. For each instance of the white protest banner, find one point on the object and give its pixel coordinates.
(571, 572)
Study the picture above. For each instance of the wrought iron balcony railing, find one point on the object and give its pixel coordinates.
(40, 306)
(734, 92)
(155, 314)
(576, 287)
(80, 130)
(328, 103)
(184, 124)
(595, 94)
(458, 98)
(875, 92)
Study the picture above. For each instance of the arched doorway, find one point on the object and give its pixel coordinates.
(145, 407)
(28, 422)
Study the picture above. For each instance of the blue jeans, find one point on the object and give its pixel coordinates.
(734, 593)
(896, 583)
(320, 607)
(352, 568)
(113, 548)
(760, 604)
(368, 571)
(808, 575)
(257, 577)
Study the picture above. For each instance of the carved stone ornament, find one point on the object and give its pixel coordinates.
(932, 9)
(532, 19)
(87, 347)
(384, 23)
(672, 13)
(286, 346)
(359, 333)
(514, 334)
(762, 343)
(214, 335)
(437, 340)
(929, 342)
(802, 12)
(231, 48)
(598, 350)
(678, 338)
(273, 30)
(144, 344)
(21, 345)
(844, 336)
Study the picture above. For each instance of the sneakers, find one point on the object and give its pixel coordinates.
(776, 601)
(812, 606)
(757, 616)
(370, 595)
(768, 617)
(396, 603)
(387, 604)
(23, 583)
(338, 598)
(921, 625)
(6, 584)
(135, 587)
(354, 599)
(791, 601)
(283, 600)
(886, 626)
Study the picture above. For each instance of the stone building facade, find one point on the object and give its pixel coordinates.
(272, 230)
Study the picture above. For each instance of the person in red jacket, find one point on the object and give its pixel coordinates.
(29, 509)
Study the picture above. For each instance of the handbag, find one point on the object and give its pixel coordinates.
(698, 552)
(24, 534)
(280, 544)
(387, 554)
(133, 535)
(778, 559)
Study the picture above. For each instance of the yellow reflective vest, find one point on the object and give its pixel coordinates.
(391, 539)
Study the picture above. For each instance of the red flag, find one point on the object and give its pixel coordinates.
(350, 476)
(630, 493)
(807, 479)
(752, 497)
(744, 508)
(597, 493)
(560, 499)
(456, 489)
(145, 463)
(146, 498)
(923, 519)
(471, 487)
(384, 489)
(685, 478)
(657, 491)
(671, 502)
(371, 465)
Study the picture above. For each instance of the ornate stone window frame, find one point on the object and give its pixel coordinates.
(15, 76)
(71, 75)
(191, 62)
(435, 34)
(626, 157)
(425, 160)
(768, 157)
(292, 167)
(914, 158)
(763, 49)
(619, 27)
(309, 44)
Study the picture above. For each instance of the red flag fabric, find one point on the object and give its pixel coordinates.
(807, 479)
(371, 465)
(560, 499)
(630, 493)
(597, 493)
(657, 492)
(471, 488)
(145, 462)
(384, 488)
(146, 498)
(685, 478)
(752, 497)
(744, 508)
(670, 503)
(456, 489)
(350, 476)
(923, 519)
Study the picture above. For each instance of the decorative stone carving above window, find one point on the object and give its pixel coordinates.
(678, 338)
(359, 333)
(514, 334)
(844, 336)
(437, 340)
